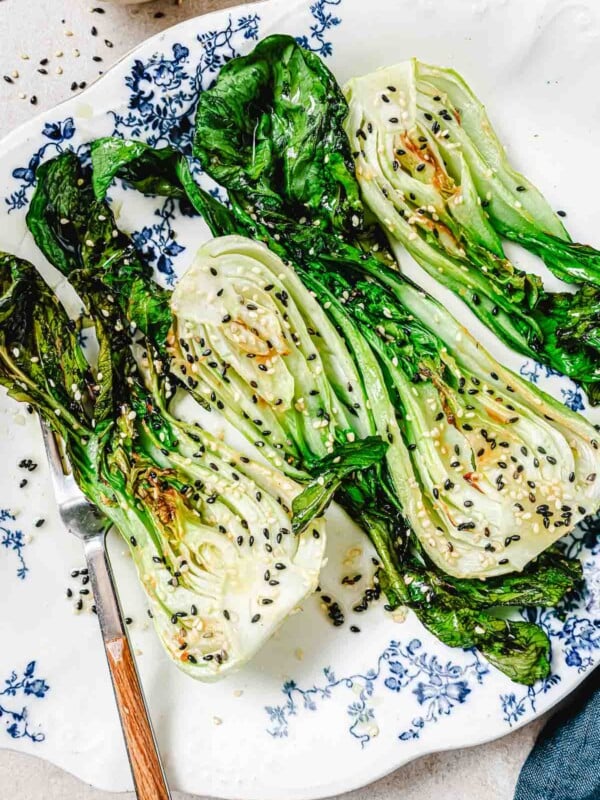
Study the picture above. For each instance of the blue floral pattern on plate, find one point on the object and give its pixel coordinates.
(16, 718)
(437, 686)
(571, 393)
(325, 19)
(13, 540)
(164, 90)
(55, 134)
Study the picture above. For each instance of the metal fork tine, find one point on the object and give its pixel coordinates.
(63, 481)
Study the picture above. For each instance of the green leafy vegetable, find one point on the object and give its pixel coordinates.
(419, 175)
(76, 232)
(273, 131)
(347, 458)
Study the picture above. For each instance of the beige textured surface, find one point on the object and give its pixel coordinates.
(44, 29)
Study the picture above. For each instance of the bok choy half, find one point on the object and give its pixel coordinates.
(435, 176)
(488, 470)
(209, 530)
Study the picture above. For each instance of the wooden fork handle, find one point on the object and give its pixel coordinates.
(144, 758)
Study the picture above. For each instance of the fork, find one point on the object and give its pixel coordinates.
(86, 522)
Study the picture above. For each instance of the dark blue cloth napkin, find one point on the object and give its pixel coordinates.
(565, 761)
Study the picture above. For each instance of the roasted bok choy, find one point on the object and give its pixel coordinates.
(309, 341)
(488, 470)
(454, 609)
(209, 531)
(435, 176)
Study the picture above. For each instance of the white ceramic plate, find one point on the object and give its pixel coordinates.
(321, 710)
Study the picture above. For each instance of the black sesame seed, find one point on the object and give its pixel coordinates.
(420, 167)
(255, 618)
